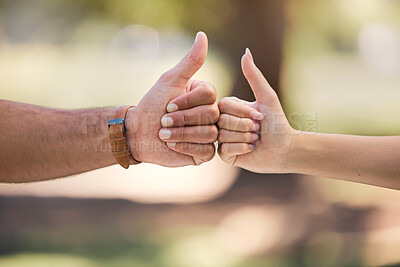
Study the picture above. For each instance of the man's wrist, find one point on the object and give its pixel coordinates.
(132, 129)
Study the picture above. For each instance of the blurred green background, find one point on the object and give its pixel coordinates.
(336, 67)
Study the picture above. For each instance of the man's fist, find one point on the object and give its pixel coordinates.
(189, 128)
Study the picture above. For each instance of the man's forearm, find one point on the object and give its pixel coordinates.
(41, 143)
(369, 160)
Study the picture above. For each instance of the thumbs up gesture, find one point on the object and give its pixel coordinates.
(174, 123)
(255, 135)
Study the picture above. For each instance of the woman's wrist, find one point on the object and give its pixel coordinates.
(300, 152)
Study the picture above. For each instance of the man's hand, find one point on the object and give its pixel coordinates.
(189, 128)
(255, 136)
(39, 143)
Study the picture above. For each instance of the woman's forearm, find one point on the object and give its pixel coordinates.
(41, 143)
(363, 159)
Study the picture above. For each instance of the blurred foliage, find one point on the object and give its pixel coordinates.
(325, 75)
(57, 19)
(333, 25)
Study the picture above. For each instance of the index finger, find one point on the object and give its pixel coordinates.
(202, 94)
(230, 106)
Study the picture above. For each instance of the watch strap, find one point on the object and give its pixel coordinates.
(117, 134)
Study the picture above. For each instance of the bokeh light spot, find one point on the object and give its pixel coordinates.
(134, 48)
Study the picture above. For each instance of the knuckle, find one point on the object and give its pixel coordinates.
(225, 148)
(244, 147)
(221, 120)
(212, 134)
(222, 148)
(249, 124)
(220, 152)
(209, 92)
(183, 76)
(182, 134)
(234, 98)
(185, 118)
(210, 152)
(248, 137)
(224, 117)
(212, 89)
(223, 103)
(221, 135)
(214, 114)
(186, 101)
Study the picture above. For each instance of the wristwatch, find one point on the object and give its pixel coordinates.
(117, 133)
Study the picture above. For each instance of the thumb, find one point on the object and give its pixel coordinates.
(260, 86)
(190, 64)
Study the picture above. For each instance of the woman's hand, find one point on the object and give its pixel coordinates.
(254, 135)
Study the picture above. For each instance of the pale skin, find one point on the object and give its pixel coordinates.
(257, 136)
(39, 143)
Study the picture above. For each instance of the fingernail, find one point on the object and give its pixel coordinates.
(255, 136)
(172, 107)
(250, 55)
(255, 115)
(195, 39)
(256, 127)
(252, 146)
(167, 121)
(171, 144)
(165, 134)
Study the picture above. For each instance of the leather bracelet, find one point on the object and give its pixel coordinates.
(117, 133)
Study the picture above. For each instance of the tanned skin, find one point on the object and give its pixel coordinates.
(39, 143)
